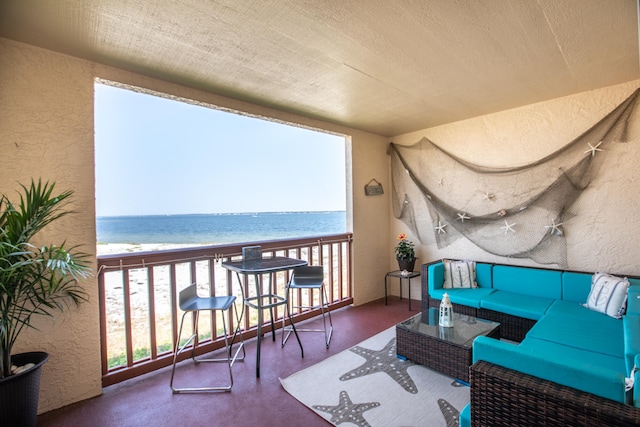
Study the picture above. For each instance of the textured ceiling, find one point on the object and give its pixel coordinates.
(388, 67)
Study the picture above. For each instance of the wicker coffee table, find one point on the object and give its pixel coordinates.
(447, 350)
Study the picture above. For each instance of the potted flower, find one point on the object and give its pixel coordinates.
(405, 253)
(34, 280)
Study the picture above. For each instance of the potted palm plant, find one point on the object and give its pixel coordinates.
(34, 281)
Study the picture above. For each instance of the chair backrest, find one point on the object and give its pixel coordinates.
(188, 294)
(308, 275)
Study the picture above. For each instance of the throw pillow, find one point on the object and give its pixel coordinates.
(459, 274)
(608, 295)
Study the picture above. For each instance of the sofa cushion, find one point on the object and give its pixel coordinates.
(528, 281)
(555, 367)
(583, 357)
(484, 275)
(468, 297)
(435, 276)
(465, 416)
(633, 300)
(636, 390)
(592, 331)
(574, 309)
(631, 328)
(459, 274)
(633, 296)
(515, 304)
(608, 295)
(576, 286)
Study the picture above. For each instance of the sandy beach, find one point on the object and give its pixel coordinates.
(125, 248)
(139, 297)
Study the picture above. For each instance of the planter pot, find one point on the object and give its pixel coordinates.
(406, 264)
(19, 393)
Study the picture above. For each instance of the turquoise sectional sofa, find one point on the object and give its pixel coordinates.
(552, 338)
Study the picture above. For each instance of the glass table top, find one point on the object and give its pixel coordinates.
(465, 328)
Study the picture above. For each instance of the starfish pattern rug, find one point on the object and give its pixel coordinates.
(367, 385)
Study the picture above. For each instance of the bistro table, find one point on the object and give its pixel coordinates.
(264, 299)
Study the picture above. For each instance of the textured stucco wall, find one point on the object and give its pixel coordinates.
(604, 233)
(371, 220)
(46, 130)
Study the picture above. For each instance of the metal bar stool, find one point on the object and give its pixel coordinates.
(190, 302)
(309, 278)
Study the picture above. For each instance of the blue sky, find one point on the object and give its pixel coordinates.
(158, 156)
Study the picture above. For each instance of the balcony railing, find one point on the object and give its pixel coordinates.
(139, 313)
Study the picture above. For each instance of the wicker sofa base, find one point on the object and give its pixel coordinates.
(457, 308)
(503, 397)
(513, 328)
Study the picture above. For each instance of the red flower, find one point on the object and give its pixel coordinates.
(404, 249)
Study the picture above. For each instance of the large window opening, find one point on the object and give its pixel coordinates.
(171, 174)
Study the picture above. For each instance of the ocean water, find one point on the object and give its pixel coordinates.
(217, 228)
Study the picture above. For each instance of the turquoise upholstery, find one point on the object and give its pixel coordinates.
(557, 367)
(467, 297)
(595, 332)
(465, 416)
(569, 308)
(585, 357)
(527, 306)
(569, 343)
(636, 390)
(631, 326)
(436, 276)
(576, 286)
(633, 300)
(528, 281)
(484, 275)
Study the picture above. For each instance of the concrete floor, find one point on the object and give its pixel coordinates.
(147, 400)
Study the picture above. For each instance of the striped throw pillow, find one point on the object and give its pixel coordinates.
(459, 274)
(608, 295)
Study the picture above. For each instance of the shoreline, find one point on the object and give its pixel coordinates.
(126, 248)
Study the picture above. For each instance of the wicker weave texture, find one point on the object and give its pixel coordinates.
(437, 354)
(457, 308)
(504, 397)
(19, 393)
(513, 328)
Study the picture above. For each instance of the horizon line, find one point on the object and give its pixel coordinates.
(221, 213)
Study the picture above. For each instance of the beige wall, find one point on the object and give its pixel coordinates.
(604, 233)
(46, 130)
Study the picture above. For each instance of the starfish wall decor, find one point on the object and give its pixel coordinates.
(528, 194)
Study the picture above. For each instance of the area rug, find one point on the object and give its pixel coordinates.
(367, 385)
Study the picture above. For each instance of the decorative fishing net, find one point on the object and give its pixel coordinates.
(516, 211)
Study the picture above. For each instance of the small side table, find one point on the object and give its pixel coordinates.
(399, 275)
